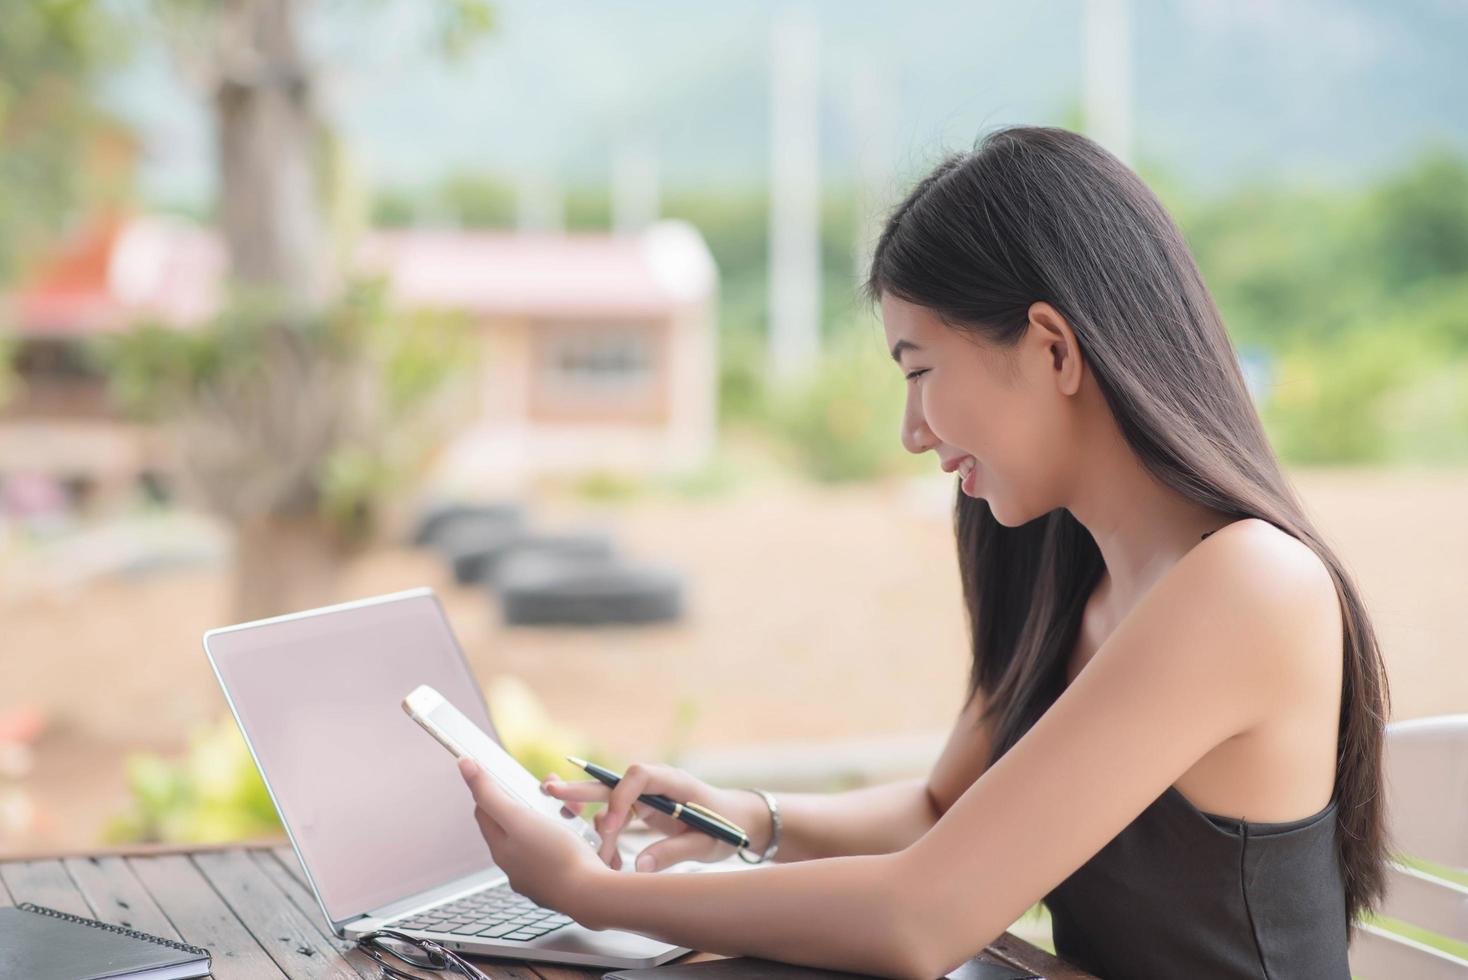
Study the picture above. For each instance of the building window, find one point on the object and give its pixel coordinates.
(602, 361)
(597, 369)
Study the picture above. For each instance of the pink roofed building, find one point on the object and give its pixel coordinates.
(600, 349)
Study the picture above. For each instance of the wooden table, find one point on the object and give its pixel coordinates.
(249, 905)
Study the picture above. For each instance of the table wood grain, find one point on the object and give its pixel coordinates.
(249, 905)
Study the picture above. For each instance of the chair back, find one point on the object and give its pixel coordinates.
(1426, 776)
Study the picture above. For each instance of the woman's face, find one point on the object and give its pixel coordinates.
(989, 414)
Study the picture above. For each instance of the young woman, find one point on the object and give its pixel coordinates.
(1173, 735)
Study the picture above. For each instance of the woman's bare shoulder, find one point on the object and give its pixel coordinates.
(1270, 587)
(1275, 562)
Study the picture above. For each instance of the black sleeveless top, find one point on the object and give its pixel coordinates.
(1183, 893)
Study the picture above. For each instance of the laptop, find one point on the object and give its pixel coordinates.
(376, 811)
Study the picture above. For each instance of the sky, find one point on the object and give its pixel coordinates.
(1222, 92)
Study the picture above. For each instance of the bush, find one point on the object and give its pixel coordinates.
(1392, 389)
(609, 487)
(9, 379)
(280, 415)
(1417, 221)
(1361, 298)
(213, 794)
(843, 421)
(743, 366)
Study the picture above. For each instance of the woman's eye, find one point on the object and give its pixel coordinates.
(916, 374)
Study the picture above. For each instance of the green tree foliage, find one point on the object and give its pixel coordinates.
(1417, 223)
(1359, 300)
(9, 379)
(843, 422)
(51, 52)
(373, 375)
(213, 794)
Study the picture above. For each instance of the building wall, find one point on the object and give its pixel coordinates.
(528, 427)
(695, 385)
(584, 373)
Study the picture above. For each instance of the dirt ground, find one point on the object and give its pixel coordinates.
(813, 613)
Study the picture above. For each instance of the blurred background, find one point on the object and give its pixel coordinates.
(554, 309)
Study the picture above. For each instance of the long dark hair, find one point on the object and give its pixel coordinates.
(1044, 214)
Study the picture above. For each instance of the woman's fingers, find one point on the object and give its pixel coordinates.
(691, 845)
(571, 807)
(486, 794)
(608, 850)
(622, 800)
(661, 822)
(494, 810)
(493, 835)
(633, 784)
(580, 791)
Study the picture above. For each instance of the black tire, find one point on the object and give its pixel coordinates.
(474, 551)
(541, 591)
(569, 548)
(442, 524)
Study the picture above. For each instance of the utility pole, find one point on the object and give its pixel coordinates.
(871, 123)
(795, 191)
(539, 205)
(635, 192)
(1107, 99)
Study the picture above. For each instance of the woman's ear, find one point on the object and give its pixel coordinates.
(1050, 332)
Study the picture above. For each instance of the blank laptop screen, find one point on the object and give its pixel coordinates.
(376, 806)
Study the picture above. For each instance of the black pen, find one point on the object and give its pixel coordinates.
(695, 816)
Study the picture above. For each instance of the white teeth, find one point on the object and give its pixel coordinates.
(966, 467)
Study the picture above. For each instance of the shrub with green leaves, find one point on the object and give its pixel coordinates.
(1393, 390)
(842, 422)
(214, 793)
(283, 415)
(9, 379)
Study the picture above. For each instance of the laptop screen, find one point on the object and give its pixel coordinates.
(375, 805)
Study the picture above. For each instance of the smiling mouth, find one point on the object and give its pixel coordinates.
(953, 465)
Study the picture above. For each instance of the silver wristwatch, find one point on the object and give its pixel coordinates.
(774, 846)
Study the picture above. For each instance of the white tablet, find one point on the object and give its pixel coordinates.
(463, 738)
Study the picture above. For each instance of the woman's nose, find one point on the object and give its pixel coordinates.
(917, 437)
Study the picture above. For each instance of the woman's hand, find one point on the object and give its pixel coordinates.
(682, 842)
(548, 864)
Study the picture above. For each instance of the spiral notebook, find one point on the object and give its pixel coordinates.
(43, 944)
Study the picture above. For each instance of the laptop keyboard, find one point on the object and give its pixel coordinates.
(496, 913)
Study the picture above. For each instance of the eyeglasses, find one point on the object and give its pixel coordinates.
(424, 954)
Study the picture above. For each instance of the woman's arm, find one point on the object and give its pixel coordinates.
(844, 913)
(880, 819)
(1226, 640)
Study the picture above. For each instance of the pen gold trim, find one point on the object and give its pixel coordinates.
(714, 816)
(733, 828)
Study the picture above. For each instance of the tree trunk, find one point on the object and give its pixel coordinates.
(267, 132)
(270, 217)
(285, 564)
